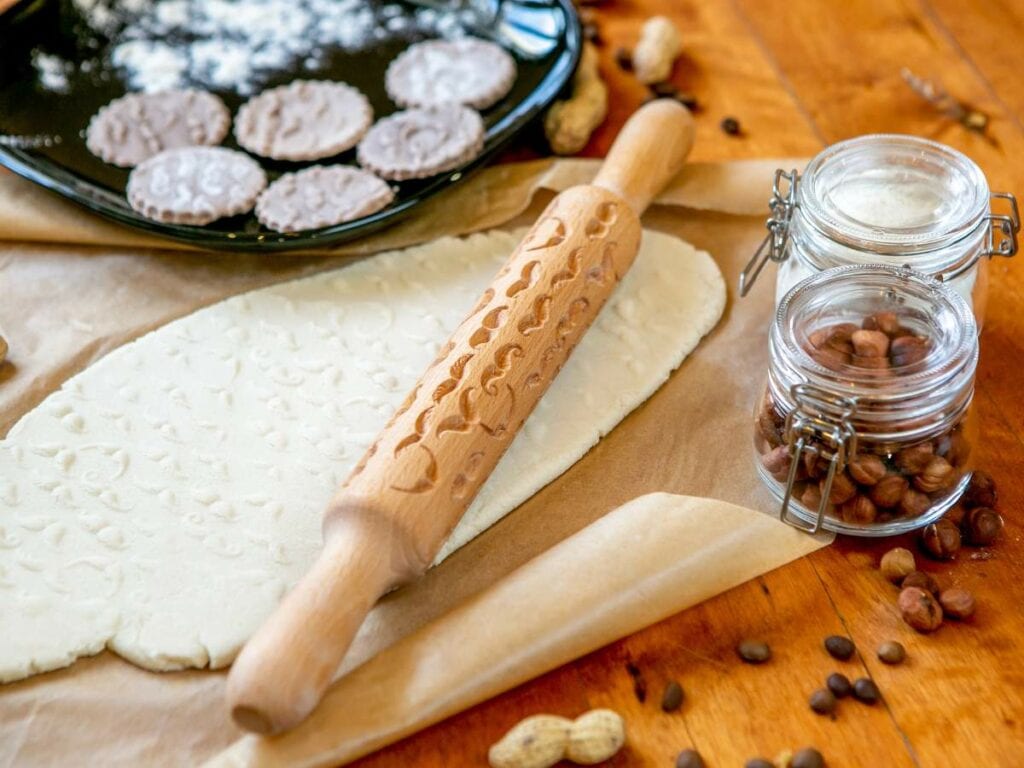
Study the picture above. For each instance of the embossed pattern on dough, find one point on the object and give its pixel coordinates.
(467, 71)
(162, 501)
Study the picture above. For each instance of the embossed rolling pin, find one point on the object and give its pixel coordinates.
(387, 522)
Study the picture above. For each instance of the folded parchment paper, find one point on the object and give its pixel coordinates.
(64, 305)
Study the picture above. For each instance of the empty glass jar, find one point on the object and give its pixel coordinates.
(887, 199)
(865, 423)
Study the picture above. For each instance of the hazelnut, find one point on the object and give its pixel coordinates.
(982, 526)
(935, 476)
(870, 343)
(941, 540)
(843, 488)
(897, 564)
(957, 603)
(866, 468)
(981, 492)
(921, 580)
(955, 514)
(914, 503)
(778, 461)
(859, 510)
(907, 350)
(888, 491)
(886, 322)
(914, 459)
(919, 609)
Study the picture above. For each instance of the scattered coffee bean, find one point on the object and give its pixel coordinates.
(758, 762)
(839, 647)
(921, 580)
(897, 564)
(689, 758)
(754, 651)
(823, 701)
(866, 691)
(731, 126)
(920, 609)
(941, 540)
(982, 526)
(672, 698)
(624, 59)
(639, 682)
(839, 684)
(957, 603)
(892, 652)
(808, 757)
(981, 492)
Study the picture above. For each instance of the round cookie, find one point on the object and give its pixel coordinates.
(304, 120)
(418, 143)
(195, 185)
(320, 197)
(468, 71)
(137, 126)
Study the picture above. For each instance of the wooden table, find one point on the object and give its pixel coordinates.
(799, 75)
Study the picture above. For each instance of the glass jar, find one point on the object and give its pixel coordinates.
(887, 199)
(865, 424)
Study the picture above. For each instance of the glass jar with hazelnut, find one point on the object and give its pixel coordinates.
(888, 199)
(865, 424)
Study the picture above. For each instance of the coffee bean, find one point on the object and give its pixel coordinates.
(639, 683)
(808, 757)
(840, 685)
(823, 701)
(624, 59)
(866, 691)
(731, 126)
(672, 698)
(665, 90)
(754, 651)
(689, 758)
(688, 100)
(839, 647)
(758, 762)
(892, 652)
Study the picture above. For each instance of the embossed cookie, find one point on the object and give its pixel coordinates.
(304, 120)
(195, 185)
(418, 143)
(468, 71)
(320, 197)
(135, 127)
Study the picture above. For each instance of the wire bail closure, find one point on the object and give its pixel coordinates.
(1003, 229)
(773, 247)
(818, 426)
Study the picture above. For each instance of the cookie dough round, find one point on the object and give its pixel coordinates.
(304, 120)
(321, 197)
(418, 143)
(137, 126)
(195, 185)
(468, 71)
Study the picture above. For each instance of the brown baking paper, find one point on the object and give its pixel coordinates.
(62, 306)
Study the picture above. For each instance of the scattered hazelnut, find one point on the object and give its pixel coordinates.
(907, 350)
(935, 476)
(886, 322)
(957, 603)
(981, 492)
(888, 491)
(778, 461)
(897, 564)
(914, 459)
(843, 488)
(866, 468)
(955, 514)
(982, 526)
(870, 343)
(914, 503)
(921, 580)
(823, 701)
(919, 609)
(941, 540)
(859, 510)
(891, 652)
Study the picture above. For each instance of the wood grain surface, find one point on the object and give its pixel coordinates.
(800, 75)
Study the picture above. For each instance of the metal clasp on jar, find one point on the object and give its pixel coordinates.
(773, 247)
(1003, 229)
(819, 425)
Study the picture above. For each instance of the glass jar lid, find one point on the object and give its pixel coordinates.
(888, 193)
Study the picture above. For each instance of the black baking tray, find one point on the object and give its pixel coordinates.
(69, 169)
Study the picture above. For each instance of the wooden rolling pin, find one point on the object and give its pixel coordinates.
(388, 521)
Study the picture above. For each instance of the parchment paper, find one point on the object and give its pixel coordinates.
(63, 306)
